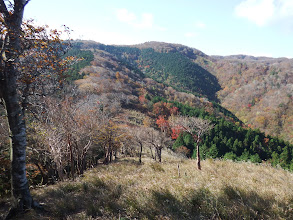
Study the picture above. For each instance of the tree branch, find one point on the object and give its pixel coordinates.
(27, 1)
(3, 8)
(19, 6)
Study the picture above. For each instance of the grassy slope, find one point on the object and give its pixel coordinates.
(125, 189)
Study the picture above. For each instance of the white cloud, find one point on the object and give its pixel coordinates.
(143, 21)
(264, 12)
(124, 15)
(147, 21)
(190, 34)
(286, 8)
(257, 11)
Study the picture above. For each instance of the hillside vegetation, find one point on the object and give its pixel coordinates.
(257, 89)
(170, 67)
(118, 106)
(228, 139)
(127, 190)
(177, 70)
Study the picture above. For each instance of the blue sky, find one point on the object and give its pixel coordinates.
(216, 27)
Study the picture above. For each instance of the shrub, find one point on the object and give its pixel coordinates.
(230, 156)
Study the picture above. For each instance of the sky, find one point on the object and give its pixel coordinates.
(216, 27)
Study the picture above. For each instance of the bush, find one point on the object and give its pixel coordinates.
(230, 156)
(255, 158)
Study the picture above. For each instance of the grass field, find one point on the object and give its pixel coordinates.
(127, 190)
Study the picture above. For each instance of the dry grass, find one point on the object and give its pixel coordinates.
(128, 190)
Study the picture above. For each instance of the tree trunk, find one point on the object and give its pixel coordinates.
(198, 157)
(60, 170)
(151, 152)
(15, 114)
(44, 176)
(107, 155)
(160, 154)
(8, 80)
(140, 153)
(115, 154)
(110, 150)
(71, 155)
(83, 165)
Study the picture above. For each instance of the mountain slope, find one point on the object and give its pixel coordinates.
(173, 68)
(117, 71)
(259, 91)
(169, 64)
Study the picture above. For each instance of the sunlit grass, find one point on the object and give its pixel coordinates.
(127, 190)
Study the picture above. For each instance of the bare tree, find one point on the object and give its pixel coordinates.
(111, 136)
(72, 139)
(158, 140)
(194, 126)
(139, 137)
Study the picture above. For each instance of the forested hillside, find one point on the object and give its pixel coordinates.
(177, 70)
(229, 138)
(172, 65)
(259, 91)
(169, 67)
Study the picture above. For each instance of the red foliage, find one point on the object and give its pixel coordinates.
(163, 108)
(174, 110)
(159, 108)
(176, 132)
(142, 99)
(162, 123)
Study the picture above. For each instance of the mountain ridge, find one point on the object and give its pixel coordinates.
(172, 46)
